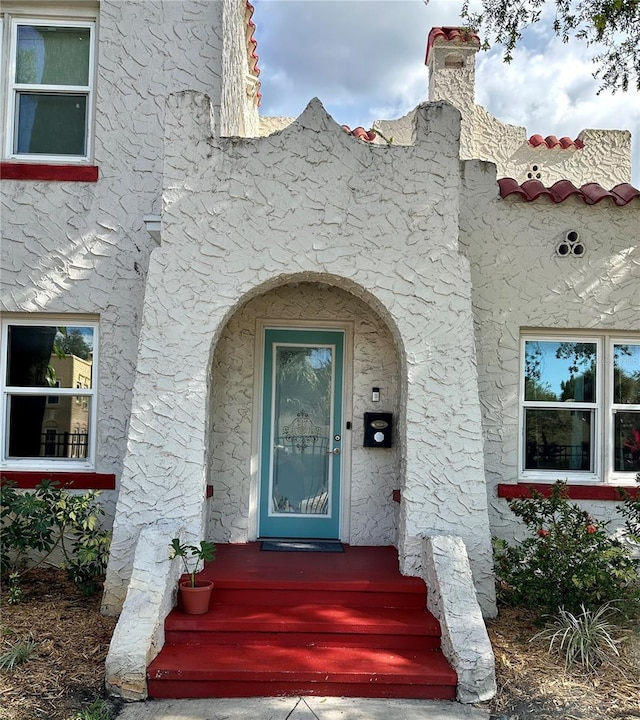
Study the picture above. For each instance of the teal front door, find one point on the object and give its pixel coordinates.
(301, 439)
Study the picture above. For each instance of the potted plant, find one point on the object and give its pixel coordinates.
(195, 593)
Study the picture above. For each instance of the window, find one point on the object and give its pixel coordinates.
(580, 413)
(49, 83)
(39, 355)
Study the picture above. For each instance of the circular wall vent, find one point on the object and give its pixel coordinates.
(570, 245)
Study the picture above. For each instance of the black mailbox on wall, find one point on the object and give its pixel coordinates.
(378, 427)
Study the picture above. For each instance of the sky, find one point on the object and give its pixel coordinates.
(365, 61)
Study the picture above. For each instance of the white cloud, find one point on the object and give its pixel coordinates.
(365, 60)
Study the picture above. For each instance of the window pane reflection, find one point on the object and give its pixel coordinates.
(53, 55)
(50, 124)
(50, 356)
(560, 371)
(558, 440)
(626, 441)
(626, 374)
(49, 426)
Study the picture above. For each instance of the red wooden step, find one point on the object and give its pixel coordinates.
(328, 593)
(326, 625)
(259, 670)
(305, 624)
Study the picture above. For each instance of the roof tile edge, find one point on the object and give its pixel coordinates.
(450, 34)
(590, 193)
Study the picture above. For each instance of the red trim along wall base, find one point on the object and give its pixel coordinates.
(576, 492)
(61, 173)
(72, 480)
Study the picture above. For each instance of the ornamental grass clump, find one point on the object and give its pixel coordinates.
(18, 653)
(568, 560)
(586, 639)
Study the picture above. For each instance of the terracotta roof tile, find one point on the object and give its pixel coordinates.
(591, 193)
(252, 44)
(360, 133)
(551, 141)
(450, 34)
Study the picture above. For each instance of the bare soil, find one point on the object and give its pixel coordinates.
(66, 670)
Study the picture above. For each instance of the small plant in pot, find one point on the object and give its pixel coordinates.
(195, 593)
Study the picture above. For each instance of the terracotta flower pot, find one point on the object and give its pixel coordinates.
(195, 600)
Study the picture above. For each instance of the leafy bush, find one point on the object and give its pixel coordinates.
(630, 510)
(35, 524)
(585, 639)
(568, 561)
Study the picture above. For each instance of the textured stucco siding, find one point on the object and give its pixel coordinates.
(520, 282)
(382, 221)
(605, 157)
(82, 247)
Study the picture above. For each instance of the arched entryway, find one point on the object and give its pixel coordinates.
(269, 424)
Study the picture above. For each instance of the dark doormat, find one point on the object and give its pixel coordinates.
(301, 546)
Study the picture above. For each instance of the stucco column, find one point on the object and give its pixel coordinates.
(444, 490)
(164, 475)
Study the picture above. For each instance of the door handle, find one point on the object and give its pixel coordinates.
(335, 451)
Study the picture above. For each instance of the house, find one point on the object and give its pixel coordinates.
(419, 330)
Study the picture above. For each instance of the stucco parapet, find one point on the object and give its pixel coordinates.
(452, 600)
(270, 125)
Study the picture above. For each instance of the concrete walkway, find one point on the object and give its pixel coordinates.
(300, 708)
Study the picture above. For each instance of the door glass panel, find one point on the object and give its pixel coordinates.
(302, 430)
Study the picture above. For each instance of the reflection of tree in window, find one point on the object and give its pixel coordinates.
(33, 417)
(626, 421)
(30, 349)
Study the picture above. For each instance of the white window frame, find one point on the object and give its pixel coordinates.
(617, 477)
(48, 463)
(13, 89)
(603, 409)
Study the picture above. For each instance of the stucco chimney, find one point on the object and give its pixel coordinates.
(451, 59)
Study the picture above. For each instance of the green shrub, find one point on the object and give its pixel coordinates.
(568, 561)
(630, 510)
(35, 524)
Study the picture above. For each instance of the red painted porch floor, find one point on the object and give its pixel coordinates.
(305, 623)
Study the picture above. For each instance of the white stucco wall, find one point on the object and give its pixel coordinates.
(374, 474)
(383, 222)
(520, 282)
(605, 157)
(72, 247)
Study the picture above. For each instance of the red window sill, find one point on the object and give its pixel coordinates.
(576, 492)
(72, 480)
(61, 173)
